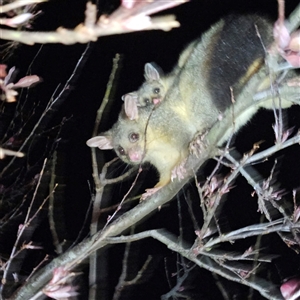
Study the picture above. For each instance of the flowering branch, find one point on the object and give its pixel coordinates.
(130, 16)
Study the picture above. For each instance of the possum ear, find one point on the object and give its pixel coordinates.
(131, 106)
(152, 72)
(132, 94)
(103, 142)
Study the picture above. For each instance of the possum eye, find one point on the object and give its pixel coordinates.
(121, 150)
(133, 137)
(147, 101)
(156, 90)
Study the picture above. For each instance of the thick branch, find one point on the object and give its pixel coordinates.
(134, 20)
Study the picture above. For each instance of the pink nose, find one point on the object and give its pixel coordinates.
(156, 101)
(135, 156)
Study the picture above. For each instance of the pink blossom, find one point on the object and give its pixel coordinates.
(8, 87)
(290, 288)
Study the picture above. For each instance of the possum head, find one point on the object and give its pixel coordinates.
(151, 92)
(125, 138)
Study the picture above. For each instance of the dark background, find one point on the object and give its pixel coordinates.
(55, 64)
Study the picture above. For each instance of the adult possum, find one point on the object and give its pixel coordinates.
(217, 69)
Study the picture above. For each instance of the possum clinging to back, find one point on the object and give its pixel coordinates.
(223, 60)
(156, 85)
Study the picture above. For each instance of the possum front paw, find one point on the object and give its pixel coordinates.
(150, 192)
(164, 180)
(197, 145)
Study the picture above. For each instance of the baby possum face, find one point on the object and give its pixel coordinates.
(151, 92)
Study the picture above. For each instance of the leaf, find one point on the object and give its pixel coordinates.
(9, 75)
(27, 81)
(18, 20)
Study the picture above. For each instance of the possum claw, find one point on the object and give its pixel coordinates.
(198, 144)
(150, 192)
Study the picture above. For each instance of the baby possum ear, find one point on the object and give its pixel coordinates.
(131, 105)
(103, 142)
(152, 72)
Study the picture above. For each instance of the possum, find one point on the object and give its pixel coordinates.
(220, 63)
(156, 85)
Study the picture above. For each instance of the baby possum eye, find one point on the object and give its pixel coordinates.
(147, 101)
(121, 150)
(133, 137)
(156, 90)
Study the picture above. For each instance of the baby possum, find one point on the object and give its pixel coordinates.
(156, 85)
(224, 59)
